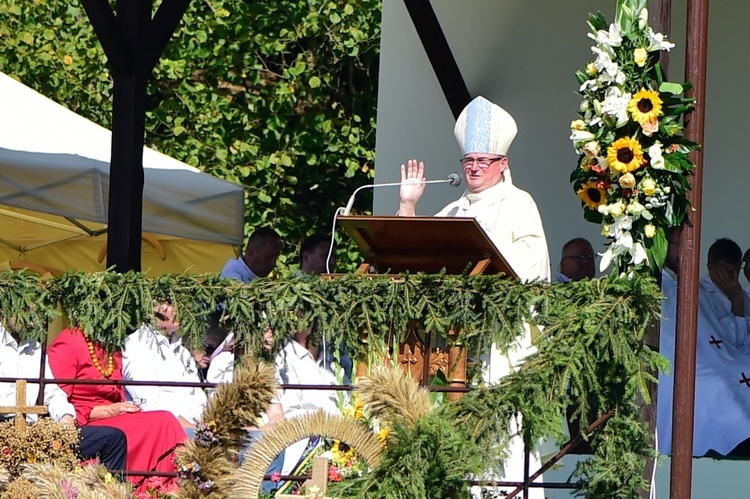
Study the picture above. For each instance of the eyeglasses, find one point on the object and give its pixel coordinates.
(580, 258)
(483, 163)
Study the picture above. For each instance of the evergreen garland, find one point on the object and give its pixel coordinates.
(591, 350)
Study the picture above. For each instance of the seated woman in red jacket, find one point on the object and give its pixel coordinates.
(152, 436)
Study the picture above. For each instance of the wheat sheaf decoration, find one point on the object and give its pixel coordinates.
(285, 433)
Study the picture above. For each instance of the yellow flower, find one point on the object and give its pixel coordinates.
(108, 478)
(639, 56)
(365, 168)
(383, 435)
(591, 69)
(649, 230)
(592, 195)
(617, 209)
(578, 125)
(68, 59)
(645, 106)
(625, 155)
(591, 148)
(648, 186)
(627, 181)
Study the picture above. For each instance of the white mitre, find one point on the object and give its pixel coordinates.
(484, 127)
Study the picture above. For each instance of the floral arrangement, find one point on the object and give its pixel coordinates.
(157, 487)
(190, 470)
(633, 164)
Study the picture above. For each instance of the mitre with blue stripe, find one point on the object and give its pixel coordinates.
(484, 127)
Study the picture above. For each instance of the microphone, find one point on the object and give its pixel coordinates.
(454, 180)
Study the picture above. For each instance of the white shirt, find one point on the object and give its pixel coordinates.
(511, 219)
(148, 355)
(295, 365)
(236, 268)
(221, 364)
(23, 361)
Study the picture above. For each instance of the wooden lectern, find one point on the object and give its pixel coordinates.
(393, 245)
(425, 244)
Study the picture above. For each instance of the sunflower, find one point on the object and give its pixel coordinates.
(625, 155)
(592, 195)
(645, 106)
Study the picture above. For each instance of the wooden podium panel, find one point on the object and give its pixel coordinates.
(424, 244)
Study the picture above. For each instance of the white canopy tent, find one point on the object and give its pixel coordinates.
(54, 191)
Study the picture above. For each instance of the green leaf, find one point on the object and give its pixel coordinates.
(671, 88)
(314, 82)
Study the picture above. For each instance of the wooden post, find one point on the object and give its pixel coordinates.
(688, 278)
(133, 43)
(20, 410)
(456, 367)
(315, 487)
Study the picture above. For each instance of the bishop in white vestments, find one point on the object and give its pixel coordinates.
(507, 214)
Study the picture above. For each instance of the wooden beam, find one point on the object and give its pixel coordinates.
(126, 179)
(166, 20)
(689, 270)
(439, 53)
(105, 26)
(133, 42)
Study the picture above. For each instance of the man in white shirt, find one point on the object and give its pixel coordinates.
(263, 248)
(156, 353)
(307, 360)
(22, 359)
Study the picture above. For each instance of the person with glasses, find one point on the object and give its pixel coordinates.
(507, 214)
(577, 261)
(510, 218)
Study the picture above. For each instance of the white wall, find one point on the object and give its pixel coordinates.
(522, 54)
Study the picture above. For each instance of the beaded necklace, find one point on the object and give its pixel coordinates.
(95, 360)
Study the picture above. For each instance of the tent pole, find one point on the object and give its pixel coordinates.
(689, 269)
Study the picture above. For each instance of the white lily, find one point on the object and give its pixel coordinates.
(616, 104)
(618, 247)
(606, 260)
(581, 136)
(658, 42)
(622, 226)
(604, 63)
(655, 153)
(639, 254)
(611, 38)
(592, 85)
(643, 19)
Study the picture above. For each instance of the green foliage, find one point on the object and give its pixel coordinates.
(590, 355)
(279, 96)
(433, 458)
(620, 452)
(25, 301)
